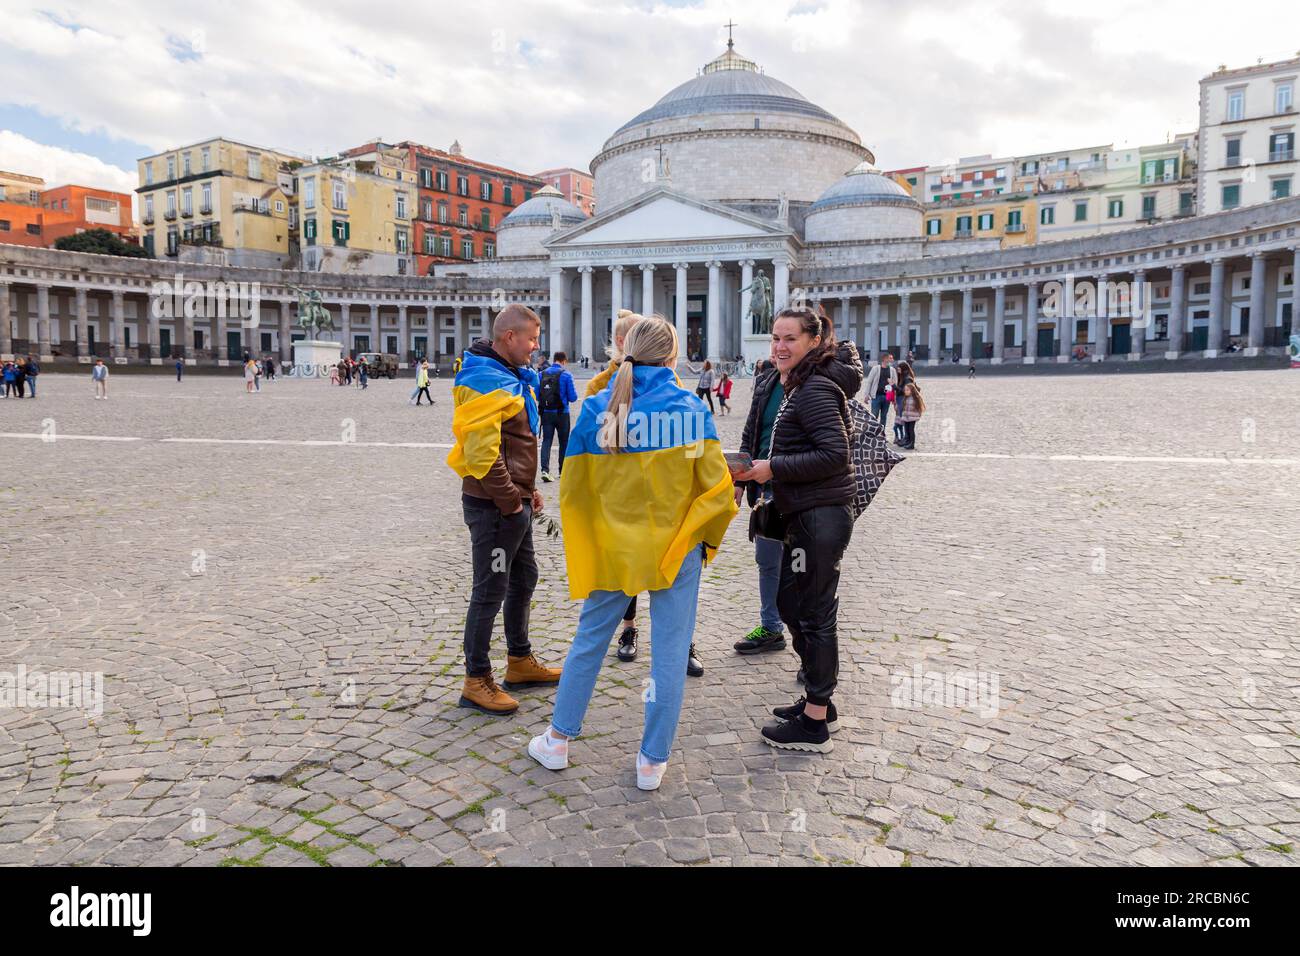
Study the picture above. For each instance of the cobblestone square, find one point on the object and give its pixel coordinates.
(273, 587)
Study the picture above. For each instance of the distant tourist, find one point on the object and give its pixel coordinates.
(911, 412)
(723, 391)
(553, 397)
(704, 387)
(422, 383)
(99, 375)
(270, 369)
(31, 370)
(363, 374)
(905, 374)
(250, 376)
(11, 380)
(882, 381)
(180, 368)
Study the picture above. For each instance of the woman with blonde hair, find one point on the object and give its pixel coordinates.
(646, 504)
(622, 325)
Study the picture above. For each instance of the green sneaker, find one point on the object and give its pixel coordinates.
(758, 640)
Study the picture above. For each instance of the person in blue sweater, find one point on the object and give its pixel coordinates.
(553, 398)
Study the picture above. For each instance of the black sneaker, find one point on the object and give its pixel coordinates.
(693, 666)
(627, 644)
(758, 640)
(796, 710)
(799, 734)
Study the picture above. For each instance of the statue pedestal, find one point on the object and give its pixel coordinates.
(312, 358)
(755, 347)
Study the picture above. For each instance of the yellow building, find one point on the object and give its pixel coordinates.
(1012, 218)
(218, 201)
(356, 213)
(22, 189)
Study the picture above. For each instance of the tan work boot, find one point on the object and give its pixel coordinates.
(527, 672)
(482, 693)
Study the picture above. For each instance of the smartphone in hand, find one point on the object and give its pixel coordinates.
(738, 462)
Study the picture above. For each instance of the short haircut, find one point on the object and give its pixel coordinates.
(514, 318)
(559, 357)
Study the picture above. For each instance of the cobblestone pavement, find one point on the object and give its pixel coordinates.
(278, 625)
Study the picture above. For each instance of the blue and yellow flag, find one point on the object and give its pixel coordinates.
(630, 518)
(487, 394)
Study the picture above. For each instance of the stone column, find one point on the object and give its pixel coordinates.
(345, 327)
(845, 323)
(999, 322)
(43, 352)
(648, 288)
(458, 330)
(587, 319)
(404, 338)
(1102, 321)
(6, 324)
(873, 341)
(936, 312)
(904, 324)
(967, 332)
(222, 357)
(1031, 323)
(83, 330)
(155, 336)
(485, 321)
(1258, 286)
(1217, 275)
(679, 312)
(119, 325)
(746, 279)
(285, 333)
(375, 327)
(615, 293)
(1065, 323)
(558, 338)
(1139, 310)
(713, 350)
(780, 283)
(1295, 291)
(1177, 310)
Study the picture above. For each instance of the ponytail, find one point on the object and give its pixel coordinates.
(651, 341)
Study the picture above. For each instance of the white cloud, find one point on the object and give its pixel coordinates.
(58, 166)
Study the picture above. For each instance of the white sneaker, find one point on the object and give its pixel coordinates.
(649, 775)
(550, 753)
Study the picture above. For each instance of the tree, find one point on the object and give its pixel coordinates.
(100, 242)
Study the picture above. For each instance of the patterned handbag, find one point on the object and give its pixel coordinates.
(873, 459)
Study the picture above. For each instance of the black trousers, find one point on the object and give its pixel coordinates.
(505, 571)
(423, 393)
(807, 598)
(706, 394)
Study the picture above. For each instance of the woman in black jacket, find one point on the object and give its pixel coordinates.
(811, 471)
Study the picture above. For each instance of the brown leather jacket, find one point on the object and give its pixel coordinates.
(513, 476)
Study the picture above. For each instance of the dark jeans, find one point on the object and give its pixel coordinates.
(552, 422)
(31, 385)
(909, 434)
(808, 601)
(423, 393)
(505, 570)
(705, 393)
(880, 408)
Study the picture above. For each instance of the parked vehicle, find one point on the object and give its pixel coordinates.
(380, 363)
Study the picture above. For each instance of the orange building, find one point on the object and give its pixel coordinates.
(461, 201)
(576, 186)
(20, 224)
(69, 210)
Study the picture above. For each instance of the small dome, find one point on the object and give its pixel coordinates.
(537, 211)
(864, 185)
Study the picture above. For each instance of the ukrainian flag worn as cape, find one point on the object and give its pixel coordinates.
(487, 394)
(630, 518)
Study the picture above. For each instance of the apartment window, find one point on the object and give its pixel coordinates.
(293, 217)
(207, 198)
(1013, 218)
(1232, 196)
(1186, 203)
(1081, 211)
(508, 194)
(187, 201)
(171, 168)
(148, 173)
(528, 194)
(485, 190)
(173, 242)
(933, 227)
(309, 230)
(185, 164)
(1047, 216)
(1115, 208)
(426, 177)
(442, 212)
(1236, 104)
(485, 219)
(342, 231)
(254, 165)
(401, 205)
(446, 245)
(1234, 153)
(985, 221)
(1281, 188)
(1149, 207)
(279, 205)
(171, 204)
(963, 225)
(442, 181)
(1063, 164)
(1281, 147)
(462, 185)
(206, 158)
(148, 208)
(401, 242)
(489, 249)
(309, 192)
(467, 248)
(1282, 97)
(340, 194)
(33, 229)
(463, 217)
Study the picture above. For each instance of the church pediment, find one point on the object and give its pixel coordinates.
(664, 216)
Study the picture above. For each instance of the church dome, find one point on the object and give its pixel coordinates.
(537, 211)
(863, 205)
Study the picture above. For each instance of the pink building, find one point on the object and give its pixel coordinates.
(578, 187)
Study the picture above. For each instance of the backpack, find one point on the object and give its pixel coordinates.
(549, 392)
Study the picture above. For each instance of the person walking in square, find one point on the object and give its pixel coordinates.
(495, 423)
(32, 371)
(99, 375)
(643, 509)
(704, 387)
(882, 381)
(180, 368)
(250, 376)
(10, 375)
(422, 383)
(553, 397)
(723, 390)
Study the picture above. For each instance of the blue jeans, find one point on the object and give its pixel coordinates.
(672, 625)
(880, 408)
(768, 555)
(553, 423)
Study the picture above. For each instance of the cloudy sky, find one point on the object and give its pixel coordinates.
(86, 88)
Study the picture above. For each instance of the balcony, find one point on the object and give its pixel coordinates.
(148, 219)
(170, 215)
(260, 209)
(209, 235)
(205, 209)
(187, 213)
(963, 234)
(1015, 227)
(1281, 155)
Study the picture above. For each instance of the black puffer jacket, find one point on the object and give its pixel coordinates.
(811, 463)
(763, 385)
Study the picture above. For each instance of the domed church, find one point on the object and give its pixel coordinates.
(730, 174)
